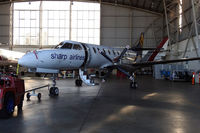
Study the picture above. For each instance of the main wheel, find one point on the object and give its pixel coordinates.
(54, 91)
(28, 95)
(78, 82)
(39, 96)
(133, 85)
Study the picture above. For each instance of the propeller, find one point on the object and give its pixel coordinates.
(105, 55)
(123, 71)
(122, 54)
(115, 61)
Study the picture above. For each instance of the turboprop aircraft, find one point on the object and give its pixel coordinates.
(70, 55)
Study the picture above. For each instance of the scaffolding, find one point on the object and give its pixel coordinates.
(177, 23)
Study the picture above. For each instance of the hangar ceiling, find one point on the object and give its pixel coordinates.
(154, 6)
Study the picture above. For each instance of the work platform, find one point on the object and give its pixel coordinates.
(157, 106)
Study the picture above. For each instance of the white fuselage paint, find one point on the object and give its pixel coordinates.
(66, 59)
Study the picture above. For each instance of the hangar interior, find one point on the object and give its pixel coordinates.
(157, 106)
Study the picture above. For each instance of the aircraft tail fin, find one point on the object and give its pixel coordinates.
(140, 45)
(152, 54)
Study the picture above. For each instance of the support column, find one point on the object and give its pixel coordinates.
(100, 31)
(11, 26)
(195, 24)
(167, 23)
(131, 27)
(40, 25)
(70, 20)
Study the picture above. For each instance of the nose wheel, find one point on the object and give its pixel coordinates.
(54, 91)
(133, 85)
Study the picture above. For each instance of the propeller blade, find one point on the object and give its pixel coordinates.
(122, 53)
(123, 71)
(104, 54)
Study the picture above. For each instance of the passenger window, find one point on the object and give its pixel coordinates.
(67, 46)
(98, 49)
(113, 52)
(104, 50)
(94, 50)
(77, 47)
(109, 52)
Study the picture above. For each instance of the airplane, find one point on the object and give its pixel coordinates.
(71, 55)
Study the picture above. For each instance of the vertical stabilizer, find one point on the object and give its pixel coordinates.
(152, 54)
(140, 45)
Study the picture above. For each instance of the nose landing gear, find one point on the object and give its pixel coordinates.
(133, 83)
(54, 91)
(78, 82)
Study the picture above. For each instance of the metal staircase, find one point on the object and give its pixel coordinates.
(88, 81)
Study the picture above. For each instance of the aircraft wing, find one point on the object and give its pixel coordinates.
(137, 65)
(149, 63)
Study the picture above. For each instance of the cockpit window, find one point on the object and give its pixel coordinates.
(77, 47)
(59, 45)
(64, 45)
(67, 46)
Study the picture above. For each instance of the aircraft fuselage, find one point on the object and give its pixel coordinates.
(65, 57)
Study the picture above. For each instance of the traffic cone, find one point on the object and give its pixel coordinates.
(193, 78)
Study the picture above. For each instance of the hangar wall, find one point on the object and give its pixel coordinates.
(122, 26)
(119, 26)
(4, 23)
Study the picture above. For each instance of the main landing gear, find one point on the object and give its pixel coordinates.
(78, 82)
(54, 91)
(133, 83)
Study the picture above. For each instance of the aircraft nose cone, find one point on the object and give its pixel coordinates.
(28, 60)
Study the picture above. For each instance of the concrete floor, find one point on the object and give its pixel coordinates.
(157, 106)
